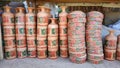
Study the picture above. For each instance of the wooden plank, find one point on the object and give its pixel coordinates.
(78, 1)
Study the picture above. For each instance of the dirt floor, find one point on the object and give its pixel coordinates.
(58, 63)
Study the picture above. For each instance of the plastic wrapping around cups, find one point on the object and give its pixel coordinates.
(75, 49)
(95, 19)
(93, 37)
(96, 56)
(75, 14)
(78, 59)
(76, 36)
(98, 43)
(77, 54)
(80, 20)
(95, 14)
(94, 23)
(95, 61)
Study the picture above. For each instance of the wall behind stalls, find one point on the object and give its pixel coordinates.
(1, 48)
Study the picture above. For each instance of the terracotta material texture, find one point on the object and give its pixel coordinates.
(42, 31)
(31, 32)
(9, 33)
(110, 46)
(118, 47)
(63, 32)
(20, 33)
(53, 39)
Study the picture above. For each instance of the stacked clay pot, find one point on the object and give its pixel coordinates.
(53, 39)
(31, 32)
(93, 37)
(76, 36)
(110, 46)
(48, 11)
(42, 26)
(9, 33)
(20, 33)
(63, 33)
(118, 48)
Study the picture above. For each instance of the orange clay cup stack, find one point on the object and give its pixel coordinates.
(118, 48)
(53, 39)
(42, 29)
(76, 36)
(9, 33)
(48, 11)
(93, 37)
(31, 32)
(110, 46)
(63, 41)
(20, 33)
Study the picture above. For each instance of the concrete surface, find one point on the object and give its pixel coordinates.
(59, 63)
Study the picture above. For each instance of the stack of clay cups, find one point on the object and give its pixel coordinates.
(9, 33)
(93, 37)
(20, 33)
(53, 39)
(31, 32)
(76, 36)
(63, 41)
(118, 48)
(42, 27)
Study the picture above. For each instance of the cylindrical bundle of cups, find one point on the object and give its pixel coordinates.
(10, 52)
(48, 10)
(20, 33)
(110, 46)
(76, 36)
(63, 32)
(110, 54)
(118, 54)
(42, 29)
(31, 32)
(41, 52)
(9, 33)
(118, 48)
(93, 37)
(53, 39)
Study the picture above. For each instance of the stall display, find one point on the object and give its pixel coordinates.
(31, 32)
(63, 32)
(110, 46)
(76, 36)
(9, 33)
(74, 33)
(93, 37)
(53, 39)
(118, 48)
(20, 33)
(42, 30)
